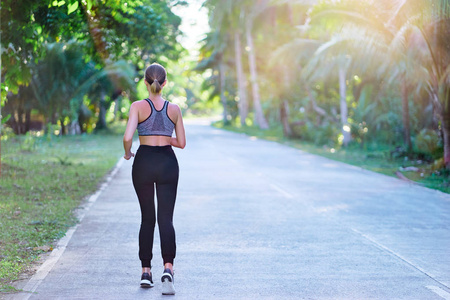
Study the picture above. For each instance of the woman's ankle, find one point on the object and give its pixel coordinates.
(146, 270)
(168, 266)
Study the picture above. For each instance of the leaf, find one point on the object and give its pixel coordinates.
(72, 7)
(43, 248)
(5, 119)
(89, 4)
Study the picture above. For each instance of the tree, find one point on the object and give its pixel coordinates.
(251, 12)
(411, 33)
(225, 17)
(241, 81)
(214, 56)
(62, 78)
(136, 31)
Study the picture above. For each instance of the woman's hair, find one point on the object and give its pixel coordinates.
(155, 75)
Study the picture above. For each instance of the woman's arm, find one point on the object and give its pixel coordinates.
(129, 131)
(180, 139)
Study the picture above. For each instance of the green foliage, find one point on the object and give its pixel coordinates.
(64, 50)
(428, 142)
(28, 143)
(383, 47)
(325, 134)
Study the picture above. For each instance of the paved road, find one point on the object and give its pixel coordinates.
(255, 219)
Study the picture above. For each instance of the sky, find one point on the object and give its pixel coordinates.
(194, 24)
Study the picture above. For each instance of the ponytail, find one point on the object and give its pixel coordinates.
(155, 87)
(155, 75)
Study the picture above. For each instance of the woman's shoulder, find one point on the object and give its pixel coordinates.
(173, 107)
(174, 111)
(138, 103)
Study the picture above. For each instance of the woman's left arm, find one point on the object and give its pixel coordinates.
(129, 131)
(180, 139)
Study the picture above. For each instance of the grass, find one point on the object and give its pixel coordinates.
(43, 180)
(381, 159)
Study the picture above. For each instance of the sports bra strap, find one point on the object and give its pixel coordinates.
(150, 102)
(153, 106)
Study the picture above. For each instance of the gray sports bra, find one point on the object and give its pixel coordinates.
(158, 123)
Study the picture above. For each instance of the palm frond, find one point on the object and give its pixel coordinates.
(296, 51)
(294, 2)
(351, 17)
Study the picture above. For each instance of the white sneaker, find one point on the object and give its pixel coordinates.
(167, 283)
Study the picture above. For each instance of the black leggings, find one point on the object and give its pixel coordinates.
(156, 165)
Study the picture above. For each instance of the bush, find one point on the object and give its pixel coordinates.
(325, 134)
(428, 142)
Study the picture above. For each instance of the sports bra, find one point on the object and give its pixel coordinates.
(158, 123)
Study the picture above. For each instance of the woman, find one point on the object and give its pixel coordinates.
(155, 164)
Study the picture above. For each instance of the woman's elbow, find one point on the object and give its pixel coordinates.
(182, 144)
(127, 139)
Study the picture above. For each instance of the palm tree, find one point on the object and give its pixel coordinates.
(241, 81)
(251, 11)
(62, 78)
(225, 19)
(214, 51)
(412, 34)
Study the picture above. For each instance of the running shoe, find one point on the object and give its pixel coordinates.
(167, 283)
(146, 280)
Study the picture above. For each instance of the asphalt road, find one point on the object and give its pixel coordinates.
(258, 220)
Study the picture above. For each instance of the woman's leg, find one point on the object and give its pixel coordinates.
(166, 194)
(146, 194)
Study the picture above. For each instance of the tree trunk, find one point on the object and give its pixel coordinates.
(101, 123)
(259, 115)
(445, 123)
(284, 104)
(290, 14)
(284, 116)
(223, 99)
(116, 107)
(242, 91)
(1, 127)
(405, 114)
(20, 124)
(63, 127)
(446, 132)
(53, 118)
(27, 119)
(343, 106)
(13, 123)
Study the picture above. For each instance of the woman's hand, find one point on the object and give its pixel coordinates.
(127, 156)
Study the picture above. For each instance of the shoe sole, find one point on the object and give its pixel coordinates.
(146, 284)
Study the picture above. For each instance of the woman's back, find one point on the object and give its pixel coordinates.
(156, 121)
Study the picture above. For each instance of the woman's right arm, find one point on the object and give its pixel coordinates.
(129, 131)
(180, 139)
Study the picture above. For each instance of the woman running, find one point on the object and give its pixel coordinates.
(155, 165)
